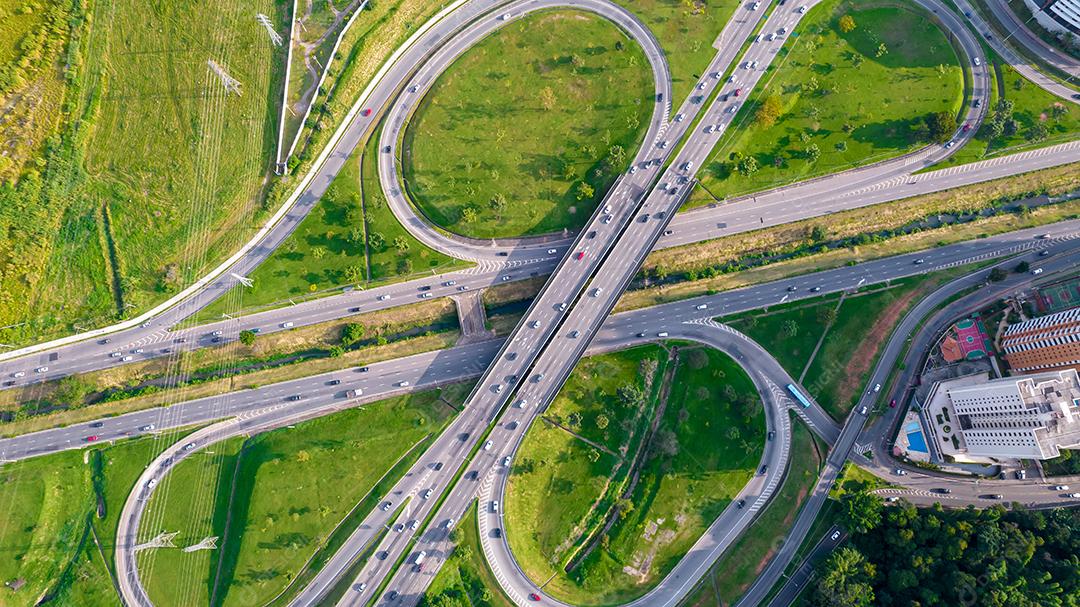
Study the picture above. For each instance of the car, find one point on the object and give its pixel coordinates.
(764, 469)
(215, 339)
(414, 524)
(426, 295)
(496, 532)
(892, 404)
(539, 377)
(574, 334)
(607, 219)
(701, 86)
(892, 499)
(189, 446)
(92, 438)
(633, 169)
(641, 334)
(44, 369)
(1034, 272)
(709, 129)
(815, 289)
(487, 446)
(552, 251)
(835, 535)
(150, 484)
(731, 79)
(596, 292)
(1061, 487)
(403, 384)
(19, 374)
(1073, 495)
(591, 234)
(662, 334)
(644, 218)
(863, 410)
(686, 166)
(534, 597)
(127, 358)
(522, 403)
(977, 103)
(668, 232)
(399, 527)
(680, 117)
(977, 62)
(286, 325)
(363, 370)
(659, 97)
(739, 504)
(333, 382)
(463, 288)
(505, 278)
(449, 283)
(393, 595)
(494, 505)
(738, 92)
(386, 506)
(701, 307)
(770, 37)
(146, 428)
(497, 388)
(731, 109)
(758, 38)
(366, 112)
(97, 424)
(561, 307)
(361, 587)
(506, 461)
(943, 490)
(771, 435)
(662, 144)
(781, 31)
(755, 6)
(503, 254)
(1043, 253)
(296, 397)
(900, 472)
(112, 354)
(877, 387)
(535, 324)
(792, 289)
(1021, 474)
(949, 144)
(802, 9)
(579, 255)
(920, 262)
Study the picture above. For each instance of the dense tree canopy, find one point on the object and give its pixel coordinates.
(992, 557)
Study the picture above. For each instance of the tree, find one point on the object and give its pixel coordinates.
(547, 98)
(1038, 132)
(617, 154)
(401, 244)
(247, 337)
(356, 236)
(997, 275)
(812, 152)
(602, 421)
(769, 111)
(789, 329)
(882, 50)
(584, 191)
(354, 273)
(861, 511)
(845, 580)
(624, 507)
(747, 166)
(818, 234)
(498, 203)
(826, 315)
(71, 391)
(352, 333)
(318, 252)
(941, 126)
(847, 23)
(594, 455)
(376, 240)
(468, 215)
(1022, 268)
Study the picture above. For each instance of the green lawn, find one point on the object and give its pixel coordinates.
(740, 565)
(835, 95)
(349, 230)
(465, 575)
(772, 328)
(525, 132)
(280, 513)
(44, 536)
(1032, 106)
(687, 479)
(686, 35)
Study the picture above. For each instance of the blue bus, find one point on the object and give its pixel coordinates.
(798, 396)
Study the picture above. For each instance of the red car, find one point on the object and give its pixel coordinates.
(366, 112)
(534, 597)
(967, 127)
(580, 255)
(91, 438)
(737, 92)
(892, 403)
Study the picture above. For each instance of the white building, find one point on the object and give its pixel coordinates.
(1014, 417)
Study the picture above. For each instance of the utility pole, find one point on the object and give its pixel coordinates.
(265, 21)
(231, 84)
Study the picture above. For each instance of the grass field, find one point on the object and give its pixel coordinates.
(49, 502)
(686, 32)
(686, 479)
(465, 575)
(839, 104)
(740, 565)
(562, 99)
(350, 238)
(279, 514)
(1032, 107)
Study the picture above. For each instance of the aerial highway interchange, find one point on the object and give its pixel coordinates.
(519, 375)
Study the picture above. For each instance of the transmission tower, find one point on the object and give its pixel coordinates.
(208, 543)
(265, 21)
(162, 540)
(231, 84)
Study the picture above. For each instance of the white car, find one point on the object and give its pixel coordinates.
(286, 325)
(427, 494)
(680, 117)
(758, 38)
(383, 297)
(414, 524)
(44, 369)
(701, 307)
(139, 350)
(552, 251)
(19, 374)
(596, 292)
(607, 208)
(901, 472)
(1061, 487)
(116, 354)
(731, 79)
(663, 144)
(1074, 495)
(506, 461)
(633, 169)
(128, 358)
(147, 428)
(494, 505)
(802, 9)
(607, 219)
(709, 129)
(535, 324)
(716, 75)
(770, 37)
(521, 404)
(487, 446)
(403, 384)
(701, 86)
(386, 506)
(877, 387)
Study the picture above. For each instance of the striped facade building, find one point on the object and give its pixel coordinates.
(1044, 344)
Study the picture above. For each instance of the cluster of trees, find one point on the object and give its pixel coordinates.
(937, 127)
(994, 557)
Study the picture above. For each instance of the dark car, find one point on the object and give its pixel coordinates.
(354, 309)
(644, 218)
(496, 532)
(333, 382)
(438, 466)
(591, 234)
(97, 424)
(764, 468)
(424, 288)
(295, 397)
(393, 595)
(944, 490)
(659, 97)
(739, 504)
(363, 369)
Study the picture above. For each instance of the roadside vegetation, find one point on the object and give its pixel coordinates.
(527, 130)
(687, 31)
(271, 513)
(740, 565)
(350, 239)
(609, 530)
(830, 343)
(860, 82)
(59, 530)
(1021, 117)
(465, 578)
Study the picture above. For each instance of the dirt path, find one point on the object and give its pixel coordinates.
(592, 444)
(866, 353)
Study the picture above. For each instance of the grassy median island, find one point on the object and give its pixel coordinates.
(465, 578)
(606, 519)
(526, 131)
(46, 540)
(686, 30)
(270, 511)
(835, 99)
